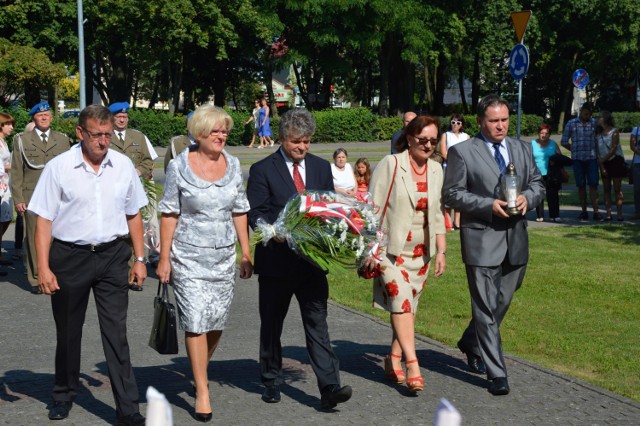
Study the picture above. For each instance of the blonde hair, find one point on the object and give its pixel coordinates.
(207, 118)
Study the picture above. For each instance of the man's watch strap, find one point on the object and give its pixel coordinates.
(140, 259)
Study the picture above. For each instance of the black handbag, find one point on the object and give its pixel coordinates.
(164, 335)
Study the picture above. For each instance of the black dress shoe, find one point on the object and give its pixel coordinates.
(203, 417)
(499, 386)
(271, 394)
(335, 395)
(475, 363)
(134, 287)
(60, 410)
(135, 419)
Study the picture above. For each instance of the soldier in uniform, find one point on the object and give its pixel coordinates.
(135, 145)
(31, 151)
(177, 144)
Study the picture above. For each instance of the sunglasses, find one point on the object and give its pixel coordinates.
(456, 123)
(424, 141)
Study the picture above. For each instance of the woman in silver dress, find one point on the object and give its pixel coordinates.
(204, 212)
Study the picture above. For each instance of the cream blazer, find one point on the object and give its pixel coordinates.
(402, 201)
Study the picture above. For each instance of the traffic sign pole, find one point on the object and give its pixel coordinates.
(519, 60)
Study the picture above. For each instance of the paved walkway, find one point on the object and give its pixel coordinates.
(539, 396)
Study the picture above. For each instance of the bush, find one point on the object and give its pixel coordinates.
(345, 125)
(626, 121)
(387, 126)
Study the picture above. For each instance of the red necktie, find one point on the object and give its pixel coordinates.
(297, 178)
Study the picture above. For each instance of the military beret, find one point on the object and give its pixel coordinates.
(41, 107)
(119, 107)
(188, 117)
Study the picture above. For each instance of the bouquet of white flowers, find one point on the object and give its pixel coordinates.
(330, 230)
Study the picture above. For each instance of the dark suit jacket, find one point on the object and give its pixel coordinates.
(269, 188)
(472, 184)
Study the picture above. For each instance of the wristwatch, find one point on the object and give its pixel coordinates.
(140, 259)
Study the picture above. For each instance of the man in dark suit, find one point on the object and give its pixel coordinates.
(495, 245)
(282, 273)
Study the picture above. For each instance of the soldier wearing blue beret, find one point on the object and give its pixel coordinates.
(31, 151)
(135, 145)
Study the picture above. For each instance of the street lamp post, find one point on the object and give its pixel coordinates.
(83, 94)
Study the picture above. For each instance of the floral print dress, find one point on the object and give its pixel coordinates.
(403, 278)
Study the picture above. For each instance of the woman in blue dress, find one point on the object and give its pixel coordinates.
(264, 131)
(204, 212)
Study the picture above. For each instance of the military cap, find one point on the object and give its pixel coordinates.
(41, 107)
(119, 107)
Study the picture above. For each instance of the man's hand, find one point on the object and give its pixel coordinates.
(47, 281)
(499, 208)
(21, 208)
(521, 204)
(138, 273)
(246, 267)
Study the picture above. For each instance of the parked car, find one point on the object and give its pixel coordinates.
(71, 113)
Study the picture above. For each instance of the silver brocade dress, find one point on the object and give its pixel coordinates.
(399, 288)
(203, 256)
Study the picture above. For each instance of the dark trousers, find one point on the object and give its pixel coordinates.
(553, 199)
(311, 290)
(19, 232)
(491, 290)
(78, 271)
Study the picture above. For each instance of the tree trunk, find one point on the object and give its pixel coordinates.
(301, 86)
(219, 83)
(384, 57)
(475, 81)
(463, 96)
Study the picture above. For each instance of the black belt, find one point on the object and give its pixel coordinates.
(91, 247)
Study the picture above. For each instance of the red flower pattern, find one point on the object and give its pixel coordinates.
(399, 260)
(406, 306)
(392, 289)
(418, 250)
(414, 292)
(409, 237)
(422, 186)
(405, 274)
(422, 204)
(423, 270)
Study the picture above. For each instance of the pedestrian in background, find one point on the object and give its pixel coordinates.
(344, 181)
(7, 123)
(579, 137)
(611, 162)
(634, 143)
(406, 119)
(255, 117)
(264, 118)
(543, 150)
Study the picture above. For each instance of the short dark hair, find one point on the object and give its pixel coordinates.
(340, 151)
(96, 112)
(492, 100)
(588, 106)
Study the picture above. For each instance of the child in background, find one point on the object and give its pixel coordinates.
(362, 174)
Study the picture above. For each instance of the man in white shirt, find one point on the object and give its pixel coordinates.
(88, 200)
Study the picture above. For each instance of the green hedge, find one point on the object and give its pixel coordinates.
(337, 125)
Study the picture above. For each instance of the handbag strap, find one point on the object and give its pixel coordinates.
(163, 291)
(386, 203)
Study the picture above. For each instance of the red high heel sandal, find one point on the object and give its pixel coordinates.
(415, 384)
(392, 375)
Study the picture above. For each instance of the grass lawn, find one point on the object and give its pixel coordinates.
(578, 310)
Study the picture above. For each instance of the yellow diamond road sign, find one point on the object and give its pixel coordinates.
(520, 21)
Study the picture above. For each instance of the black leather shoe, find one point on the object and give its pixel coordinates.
(271, 394)
(499, 386)
(135, 419)
(134, 287)
(60, 410)
(335, 395)
(475, 363)
(203, 417)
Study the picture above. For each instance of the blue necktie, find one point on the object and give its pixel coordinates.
(501, 164)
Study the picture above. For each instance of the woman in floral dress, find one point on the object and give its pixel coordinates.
(409, 184)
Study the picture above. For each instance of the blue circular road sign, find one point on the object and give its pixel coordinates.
(580, 78)
(519, 61)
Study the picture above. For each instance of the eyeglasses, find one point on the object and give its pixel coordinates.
(96, 136)
(424, 141)
(456, 123)
(222, 132)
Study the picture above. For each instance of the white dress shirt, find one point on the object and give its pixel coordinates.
(88, 207)
(301, 167)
